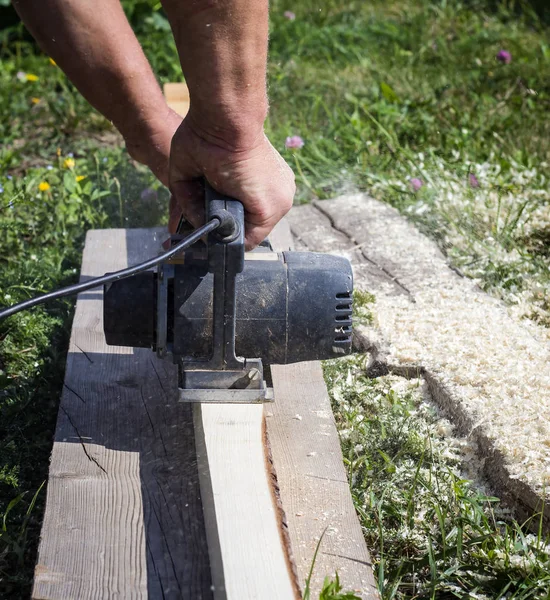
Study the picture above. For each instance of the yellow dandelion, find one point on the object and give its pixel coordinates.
(31, 77)
(80, 177)
(35, 100)
(43, 186)
(52, 62)
(69, 163)
(58, 152)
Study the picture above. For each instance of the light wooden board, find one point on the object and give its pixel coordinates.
(177, 97)
(247, 556)
(485, 369)
(311, 477)
(123, 514)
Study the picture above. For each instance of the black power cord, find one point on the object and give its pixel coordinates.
(213, 224)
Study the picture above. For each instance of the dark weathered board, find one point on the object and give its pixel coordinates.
(123, 514)
(311, 477)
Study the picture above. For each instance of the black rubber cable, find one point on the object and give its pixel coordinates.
(213, 224)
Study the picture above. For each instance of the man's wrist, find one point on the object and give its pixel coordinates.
(235, 128)
(223, 54)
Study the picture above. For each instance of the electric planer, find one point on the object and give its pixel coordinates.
(222, 315)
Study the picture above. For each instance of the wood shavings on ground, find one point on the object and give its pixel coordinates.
(493, 222)
(416, 487)
(484, 367)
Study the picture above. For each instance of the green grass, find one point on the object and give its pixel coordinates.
(381, 92)
(432, 531)
(41, 239)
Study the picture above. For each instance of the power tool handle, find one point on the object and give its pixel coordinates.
(231, 231)
(230, 212)
(225, 261)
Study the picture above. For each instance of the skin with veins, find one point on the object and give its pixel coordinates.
(223, 52)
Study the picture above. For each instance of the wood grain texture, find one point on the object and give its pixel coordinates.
(246, 548)
(311, 477)
(123, 514)
(312, 480)
(177, 97)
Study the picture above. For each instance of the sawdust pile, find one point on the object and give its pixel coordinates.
(493, 365)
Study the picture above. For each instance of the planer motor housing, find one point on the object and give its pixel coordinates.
(290, 307)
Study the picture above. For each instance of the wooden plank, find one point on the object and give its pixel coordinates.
(124, 510)
(249, 554)
(246, 547)
(311, 477)
(124, 507)
(177, 97)
(123, 514)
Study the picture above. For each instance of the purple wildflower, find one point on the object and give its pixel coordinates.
(416, 183)
(49, 167)
(10, 177)
(1, 190)
(294, 141)
(288, 14)
(71, 155)
(504, 57)
(473, 181)
(21, 75)
(148, 195)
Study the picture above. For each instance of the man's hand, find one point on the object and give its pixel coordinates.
(223, 53)
(256, 175)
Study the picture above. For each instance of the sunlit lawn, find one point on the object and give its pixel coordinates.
(440, 108)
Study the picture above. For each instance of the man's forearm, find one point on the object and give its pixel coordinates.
(223, 52)
(222, 46)
(94, 45)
